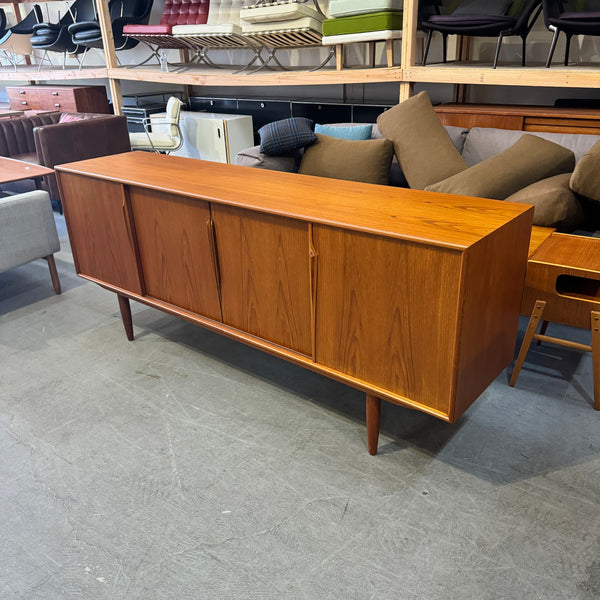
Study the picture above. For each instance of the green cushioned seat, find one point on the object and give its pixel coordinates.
(379, 21)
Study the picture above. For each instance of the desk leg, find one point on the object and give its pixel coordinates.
(373, 418)
(125, 309)
(596, 357)
(536, 315)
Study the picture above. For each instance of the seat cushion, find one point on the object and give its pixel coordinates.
(271, 13)
(422, 145)
(586, 175)
(556, 205)
(147, 29)
(365, 36)
(365, 160)
(206, 30)
(348, 8)
(346, 132)
(359, 23)
(140, 141)
(531, 159)
(305, 23)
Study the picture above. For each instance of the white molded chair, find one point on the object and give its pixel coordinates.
(166, 137)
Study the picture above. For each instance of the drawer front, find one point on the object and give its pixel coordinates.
(23, 98)
(58, 99)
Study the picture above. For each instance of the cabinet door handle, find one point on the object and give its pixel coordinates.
(57, 104)
(212, 240)
(24, 102)
(21, 91)
(127, 224)
(55, 93)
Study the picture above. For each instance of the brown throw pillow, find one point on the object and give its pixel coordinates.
(555, 204)
(422, 145)
(586, 176)
(366, 160)
(529, 160)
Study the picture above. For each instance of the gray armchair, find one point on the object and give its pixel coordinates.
(28, 232)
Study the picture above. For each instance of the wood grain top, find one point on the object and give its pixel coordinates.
(16, 170)
(519, 110)
(425, 217)
(572, 251)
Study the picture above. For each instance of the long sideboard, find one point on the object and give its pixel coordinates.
(412, 297)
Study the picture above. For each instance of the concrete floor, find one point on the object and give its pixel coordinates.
(186, 466)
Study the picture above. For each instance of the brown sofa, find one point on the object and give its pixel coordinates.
(43, 140)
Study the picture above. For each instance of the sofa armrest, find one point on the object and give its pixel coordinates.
(253, 157)
(80, 140)
(27, 229)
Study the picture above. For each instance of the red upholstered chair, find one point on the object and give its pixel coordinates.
(175, 12)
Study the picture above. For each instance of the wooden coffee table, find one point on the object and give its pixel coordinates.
(563, 286)
(17, 170)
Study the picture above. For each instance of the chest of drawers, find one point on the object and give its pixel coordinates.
(62, 98)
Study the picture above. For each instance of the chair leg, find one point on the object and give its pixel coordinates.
(567, 50)
(445, 42)
(498, 46)
(524, 50)
(427, 44)
(552, 48)
(53, 273)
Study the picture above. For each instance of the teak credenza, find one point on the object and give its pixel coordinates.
(410, 296)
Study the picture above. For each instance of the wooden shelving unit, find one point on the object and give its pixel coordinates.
(406, 75)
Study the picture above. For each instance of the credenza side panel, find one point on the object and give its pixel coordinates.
(264, 266)
(387, 313)
(175, 250)
(100, 230)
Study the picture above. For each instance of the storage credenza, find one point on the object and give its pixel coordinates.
(412, 297)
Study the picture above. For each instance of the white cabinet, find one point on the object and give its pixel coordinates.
(210, 136)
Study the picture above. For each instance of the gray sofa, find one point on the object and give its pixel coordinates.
(476, 145)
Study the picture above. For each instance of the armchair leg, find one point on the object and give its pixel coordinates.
(498, 46)
(567, 50)
(445, 44)
(53, 273)
(552, 48)
(427, 44)
(523, 50)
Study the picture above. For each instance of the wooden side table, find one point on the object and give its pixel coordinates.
(563, 286)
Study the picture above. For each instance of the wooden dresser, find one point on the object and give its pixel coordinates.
(410, 296)
(63, 98)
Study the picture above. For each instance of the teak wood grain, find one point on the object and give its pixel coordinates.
(410, 296)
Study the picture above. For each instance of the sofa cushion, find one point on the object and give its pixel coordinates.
(422, 145)
(365, 160)
(276, 11)
(529, 160)
(347, 8)
(556, 205)
(484, 142)
(585, 179)
(346, 132)
(282, 137)
(373, 21)
(253, 157)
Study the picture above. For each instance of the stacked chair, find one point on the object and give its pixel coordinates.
(221, 31)
(122, 12)
(283, 24)
(2, 22)
(17, 40)
(572, 17)
(355, 21)
(160, 37)
(484, 18)
(55, 37)
(167, 135)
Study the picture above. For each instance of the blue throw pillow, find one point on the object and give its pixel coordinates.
(346, 132)
(282, 137)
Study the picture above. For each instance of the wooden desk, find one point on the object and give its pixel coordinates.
(563, 286)
(16, 170)
(410, 296)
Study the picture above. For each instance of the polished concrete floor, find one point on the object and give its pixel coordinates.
(186, 466)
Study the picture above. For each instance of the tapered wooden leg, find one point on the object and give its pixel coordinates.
(534, 320)
(373, 418)
(596, 357)
(53, 273)
(389, 51)
(125, 309)
(339, 56)
(371, 49)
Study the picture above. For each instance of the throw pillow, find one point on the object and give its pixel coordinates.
(556, 205)
(530, 159)
(422, 145)
(346, 132)
(586, 176)
(281, 137)
(69, 117)
(364, 160)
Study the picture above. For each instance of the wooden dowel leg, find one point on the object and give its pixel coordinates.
(542, 331)
(339, 57)
(534, 320)
(373, 419)
(125, 309)
(53, 273)
(596, 357)
(389, 51)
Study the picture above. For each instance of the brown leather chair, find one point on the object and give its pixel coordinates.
(42, 139)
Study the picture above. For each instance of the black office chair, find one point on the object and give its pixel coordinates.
(122, 12)
(16, 40)
(572, 18)
(2, 22)
(484, 18)
(55, 37)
